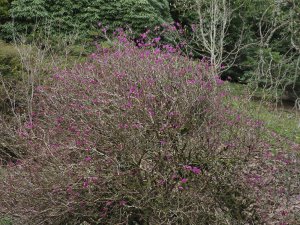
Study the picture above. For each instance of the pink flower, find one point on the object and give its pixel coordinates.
(144, 35)
(123, 126)
(123, 203)
(196, 170)
(93, 81)
(137, 126)
(103, 215)
(162, 142)
(157, 39)
(70, 190)
(79, 143)
(104, 30)
(132, 90)
(156, 51)
(173, 28)
(169, 48)
(29, 125)
(85, 184)
(120, 75)
(193, 27)
(39, 89)
(151, 112)
(180, 188)
(59, 120)
(191, 81)
(186, 167)
(129, 105)
(184, 180)
(174, 176)
(219, 81)
(109, 203)
(88, 159)
(161, 182)
(177, 24)
(147, 53)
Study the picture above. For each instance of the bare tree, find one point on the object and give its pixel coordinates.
(210, 32)
(276, 71)
(213, 29)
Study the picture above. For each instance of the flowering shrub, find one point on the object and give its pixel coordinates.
(136, 135)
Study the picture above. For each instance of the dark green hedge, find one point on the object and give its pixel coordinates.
(82, 16)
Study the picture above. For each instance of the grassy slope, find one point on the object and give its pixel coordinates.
(284, 121)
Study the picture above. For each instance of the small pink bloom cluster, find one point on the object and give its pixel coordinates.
(194, 169)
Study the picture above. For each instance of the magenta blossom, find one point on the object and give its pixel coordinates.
(196, 170)
(123, 203)
(88, 159)
(156, 40)
(85, 184)
(184, 180)
(180, 188)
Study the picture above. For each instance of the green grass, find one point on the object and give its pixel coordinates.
(284, 121)
(10, 63)
(5, 221)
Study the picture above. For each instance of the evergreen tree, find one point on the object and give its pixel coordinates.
(84, 15)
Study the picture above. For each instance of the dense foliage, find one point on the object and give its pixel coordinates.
(135, 135)
(83, 16)
(4, 11)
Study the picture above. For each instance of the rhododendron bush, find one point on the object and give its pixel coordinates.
(136, 135)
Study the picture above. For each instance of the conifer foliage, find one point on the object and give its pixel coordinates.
(83, 16)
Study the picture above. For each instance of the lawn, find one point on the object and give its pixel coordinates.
(282, 119)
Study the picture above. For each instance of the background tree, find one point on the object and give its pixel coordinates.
(83, 16)
(4, 10)
(208, 24)
(275, 63)
(257, 41)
